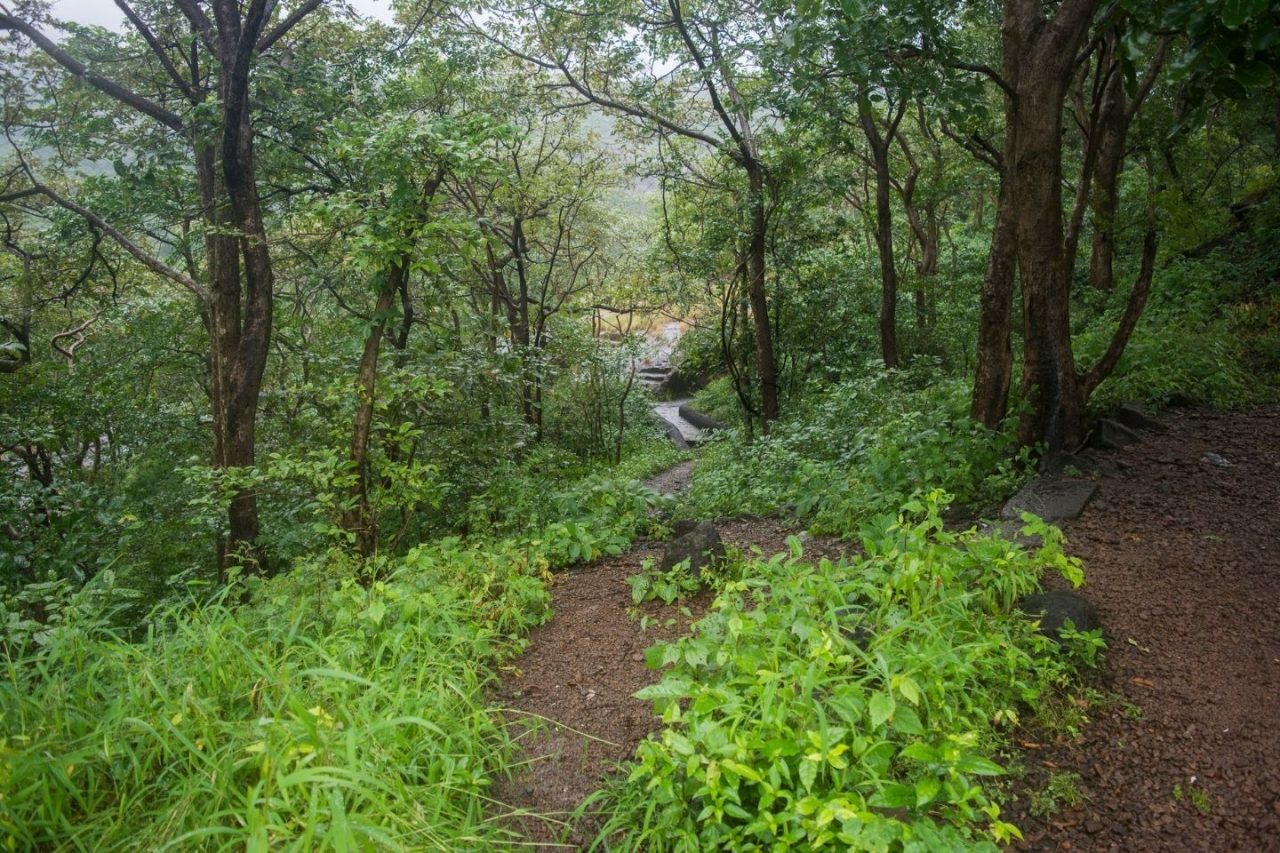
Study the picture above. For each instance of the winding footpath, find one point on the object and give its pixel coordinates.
(1182, 555)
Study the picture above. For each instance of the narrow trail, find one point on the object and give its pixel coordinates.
(571, 692)
(579, 673)
(1182, 557)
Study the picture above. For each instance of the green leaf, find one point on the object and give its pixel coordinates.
(808, 773)
(894, 795)
(927, 790)
(906, 721)
(979, 766)
(881, 708)
(1235, 13)
(920, 751)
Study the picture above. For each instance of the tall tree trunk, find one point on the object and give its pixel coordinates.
(1039, 56)
(1112, 130)
(995, 353)
(879, 146)
(359, 520)
(765, 364)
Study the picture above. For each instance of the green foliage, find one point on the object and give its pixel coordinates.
(1062, 791)
(326, 712)
(861, 449)
(1217, 309)
(856, 704)
(668, 587)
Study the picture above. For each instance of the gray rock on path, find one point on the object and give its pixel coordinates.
(1112, 435)
(1135, 417)
(1052, 500)
(699, 543)
(1216, 460)
(1055, 608)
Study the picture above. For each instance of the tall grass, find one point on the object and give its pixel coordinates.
(340, 718)
(325, 713)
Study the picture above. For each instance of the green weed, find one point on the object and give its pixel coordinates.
(1062, 791)
(854, 704)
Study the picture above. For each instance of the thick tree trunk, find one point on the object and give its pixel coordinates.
(995, 353)
(1039, 59)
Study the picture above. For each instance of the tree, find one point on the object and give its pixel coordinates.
(200, 61)
(695, 79)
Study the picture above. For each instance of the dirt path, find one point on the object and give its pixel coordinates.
(580, 671)
(1183, 560)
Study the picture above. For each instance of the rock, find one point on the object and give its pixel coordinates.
(684, 527)
(958, 517)
(1052, 500)
(1112, 435)
(1216, 461)
(698, 419)
(1056, 607)
(701, 546)
(1135, 417)
(673, 433)
(853, 625)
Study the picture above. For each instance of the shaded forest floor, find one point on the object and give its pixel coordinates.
(1183, 746)
(1182, 557)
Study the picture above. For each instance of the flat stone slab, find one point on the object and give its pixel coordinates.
(1051, 499)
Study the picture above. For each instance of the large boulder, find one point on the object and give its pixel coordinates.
(700, 544)
(1056, 607)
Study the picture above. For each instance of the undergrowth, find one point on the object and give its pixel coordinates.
(851, 705)
(339, 708)
(862, 449)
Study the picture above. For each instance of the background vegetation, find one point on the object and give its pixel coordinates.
(318, 353)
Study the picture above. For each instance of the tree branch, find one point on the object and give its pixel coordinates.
(154, 43)
(1132, 313)
(108, 87)
(142, 256)
(278, 32)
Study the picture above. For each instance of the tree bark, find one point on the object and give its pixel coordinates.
(765, 364)
(1111, 130)
(360, 520)
(995, 352)
(879, 145)
(1039, 58)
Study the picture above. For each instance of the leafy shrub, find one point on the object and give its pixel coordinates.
(856, 705)
(861, 449)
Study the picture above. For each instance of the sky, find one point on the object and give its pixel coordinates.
(104, 13)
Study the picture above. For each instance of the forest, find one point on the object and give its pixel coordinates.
(338, 350)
